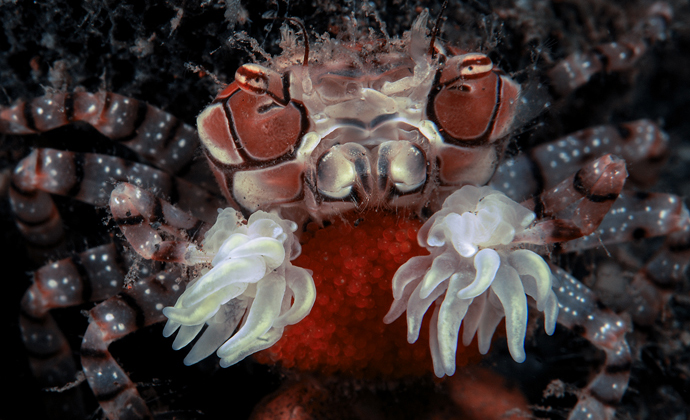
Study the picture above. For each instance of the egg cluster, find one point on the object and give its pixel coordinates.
(353, 262)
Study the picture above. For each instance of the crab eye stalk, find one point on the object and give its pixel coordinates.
(253, 78)
(474, 65)
(472, 102)
(458, 70)
(259, 80)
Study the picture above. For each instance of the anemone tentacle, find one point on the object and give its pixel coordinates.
(477, 274)
(251, 284)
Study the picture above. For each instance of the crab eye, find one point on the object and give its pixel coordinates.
(253, 78)
(472, 102)
(474, 65)
(259, 80)
(460, 68)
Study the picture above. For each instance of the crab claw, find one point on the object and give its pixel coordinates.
(251, 282)
(477, 273)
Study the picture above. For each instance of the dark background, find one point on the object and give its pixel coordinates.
(148, 50)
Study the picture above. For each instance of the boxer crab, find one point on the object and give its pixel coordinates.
(303, 169)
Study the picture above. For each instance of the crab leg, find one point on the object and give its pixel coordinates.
(93, 275)
(655, 283)
(137, 211)
(635, 216)
(578, 68)
(89, 178)
(113, 319)
(669, 266)
(597, 186)
(578, 310)
(160, 138)
(639, 143)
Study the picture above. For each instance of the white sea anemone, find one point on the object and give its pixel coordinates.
(475, 274)
(252, 282)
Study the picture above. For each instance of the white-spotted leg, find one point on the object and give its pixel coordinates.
(578, 68)
(579, 311)
(90, 178)
(135, 308)
(141, 215)
(642, 144)
(92, 275)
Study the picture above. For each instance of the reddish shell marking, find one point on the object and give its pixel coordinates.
(265, 129)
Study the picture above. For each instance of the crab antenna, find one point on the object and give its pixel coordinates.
(434, 32)
(299, 23)
(306, 40)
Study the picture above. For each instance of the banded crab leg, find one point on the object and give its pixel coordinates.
(635, 216)
(92, 275)
(139, 306)
(113, 319)
(596, 187)
(140, 215)
(641, 143)
(578, 311)
(157, 136)
(578, 68)
(659, 278)
(88, 177)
